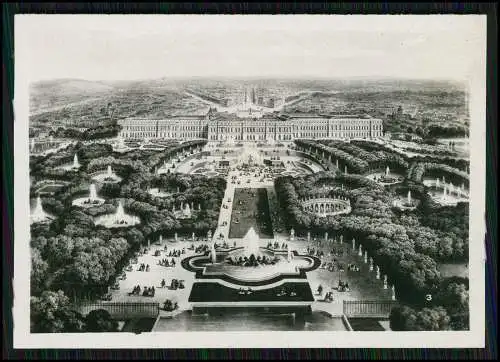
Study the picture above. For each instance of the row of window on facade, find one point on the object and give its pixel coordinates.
(214, 135)
(163, 128)
(250, 137)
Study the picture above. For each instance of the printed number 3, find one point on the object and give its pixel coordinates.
(428, 297)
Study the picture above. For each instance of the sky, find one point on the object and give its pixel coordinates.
(130, 47)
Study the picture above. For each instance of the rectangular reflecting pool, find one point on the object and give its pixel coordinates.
(238, 320)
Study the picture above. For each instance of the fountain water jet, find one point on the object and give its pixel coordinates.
(93, 192)
(187, 211)
(38, 213)
(444, 192)
(76, 164)
(251, 241)
(120, 213)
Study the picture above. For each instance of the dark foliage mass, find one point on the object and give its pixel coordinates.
(51, 312)
(74, 258)
(408, 246)
(99, 132)
(72, 254)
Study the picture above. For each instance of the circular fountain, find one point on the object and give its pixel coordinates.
(91, 201)
(120, 145)
(406, 203)
(448, 194)
(107, 177)
(387, 178)
(118, 219)
(251, 277)
(250, 263)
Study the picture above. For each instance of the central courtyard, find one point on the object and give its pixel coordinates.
(250, 209)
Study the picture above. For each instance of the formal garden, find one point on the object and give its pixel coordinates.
(76, 256)
(408, 245)
(73, 257)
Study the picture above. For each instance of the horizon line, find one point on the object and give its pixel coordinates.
(282, 77)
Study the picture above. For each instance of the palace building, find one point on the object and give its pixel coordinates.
(224, 126)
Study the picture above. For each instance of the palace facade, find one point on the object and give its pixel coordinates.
(223, 126)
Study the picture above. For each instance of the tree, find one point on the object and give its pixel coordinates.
(402, 318)
(453, 294)
(100, 320)
(39, 268)
(51, 313)
(433, 319)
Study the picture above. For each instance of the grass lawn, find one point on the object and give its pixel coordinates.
(250, 209)
(214, 292)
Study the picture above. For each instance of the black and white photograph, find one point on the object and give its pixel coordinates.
(249, 180)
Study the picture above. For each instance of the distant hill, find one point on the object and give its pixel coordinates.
(45, 95)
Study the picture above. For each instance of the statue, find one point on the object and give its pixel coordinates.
(213, 253)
